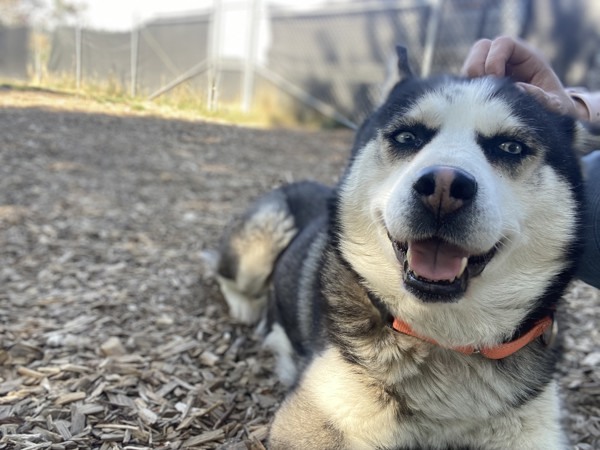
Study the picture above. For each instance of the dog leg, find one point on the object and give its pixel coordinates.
(248, 253)
(285, 367)
(537, 424)
(335, 406)
(243, 308)
(300, 425)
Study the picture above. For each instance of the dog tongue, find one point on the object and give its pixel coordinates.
(436, 260)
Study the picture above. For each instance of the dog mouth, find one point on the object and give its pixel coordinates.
(435, 270)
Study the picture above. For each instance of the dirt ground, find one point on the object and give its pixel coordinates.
(114, 335)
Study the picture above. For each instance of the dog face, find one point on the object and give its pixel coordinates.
(461, 205)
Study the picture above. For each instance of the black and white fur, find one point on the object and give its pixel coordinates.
(474, 172)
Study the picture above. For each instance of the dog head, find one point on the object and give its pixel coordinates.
(460, 208)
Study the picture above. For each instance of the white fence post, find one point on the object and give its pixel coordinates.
(433, 26)
(251, 53)
(214, 54)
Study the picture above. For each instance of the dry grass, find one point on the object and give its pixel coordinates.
(271, 107)
(114, 335)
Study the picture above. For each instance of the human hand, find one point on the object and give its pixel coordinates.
(506, 56)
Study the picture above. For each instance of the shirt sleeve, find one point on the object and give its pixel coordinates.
(591, 100)
(589, 267)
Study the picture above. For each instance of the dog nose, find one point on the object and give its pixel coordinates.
(444, 189)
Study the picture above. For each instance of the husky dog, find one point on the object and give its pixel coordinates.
(411, 306)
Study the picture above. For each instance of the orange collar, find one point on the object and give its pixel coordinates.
(498, 352)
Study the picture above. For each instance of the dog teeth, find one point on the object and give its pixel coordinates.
(463, 266)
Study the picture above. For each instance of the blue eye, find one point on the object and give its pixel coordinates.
(506, 149)
(512, 147)
(406, 138)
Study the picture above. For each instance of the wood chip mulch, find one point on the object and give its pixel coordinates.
(113, 332)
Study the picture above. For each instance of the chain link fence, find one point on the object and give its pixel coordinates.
(145, 59)
(343, 56)
(334, 59)
(14, 51)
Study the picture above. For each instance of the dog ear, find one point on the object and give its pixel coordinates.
(404, 70)
(400, 72)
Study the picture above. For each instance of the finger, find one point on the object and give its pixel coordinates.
(474, 65)
(511, 57)
(504, 51)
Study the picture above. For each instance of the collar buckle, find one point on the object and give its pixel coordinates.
(548, 338)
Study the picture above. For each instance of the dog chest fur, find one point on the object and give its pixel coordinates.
(352, 411)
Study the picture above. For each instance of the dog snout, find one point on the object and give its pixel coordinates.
(444, 190)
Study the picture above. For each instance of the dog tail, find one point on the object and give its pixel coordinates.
(248, 251)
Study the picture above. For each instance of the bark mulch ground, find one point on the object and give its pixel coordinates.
(114, 335)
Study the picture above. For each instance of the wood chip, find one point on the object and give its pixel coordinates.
(70, 398)
(90, 408)
(203, 438)
(116, 426)
(62, 427)
(112, 347)
(116, 436)
(166, 388)
(149, 417)
(29, 372)
(209, 359)
(78, 419)
(121, 400)
(15, 396)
